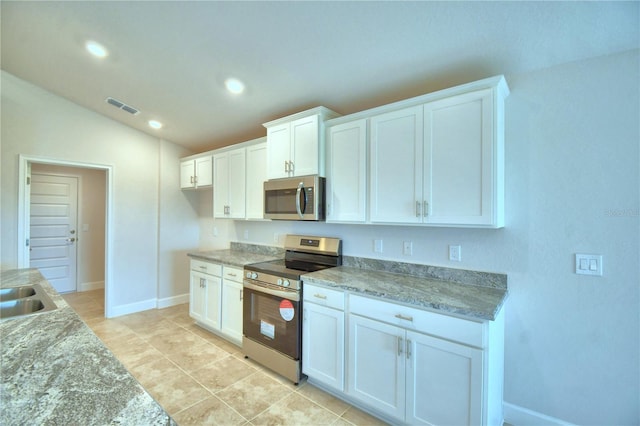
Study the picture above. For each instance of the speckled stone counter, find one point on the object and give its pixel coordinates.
(55, 371)
(240, 254)
(472, 294)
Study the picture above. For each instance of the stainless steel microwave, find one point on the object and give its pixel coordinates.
(299, 198)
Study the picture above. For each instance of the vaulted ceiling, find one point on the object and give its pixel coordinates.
(170, 59)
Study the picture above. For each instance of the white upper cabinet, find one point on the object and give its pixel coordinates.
(396, 166)
(229, 184)
(460, 185)
(295, 144)
(196, 173)
(441, 162)
(346, 168)
(256, 175)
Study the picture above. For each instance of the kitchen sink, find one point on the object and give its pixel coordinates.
(16, 293)
(21, 301)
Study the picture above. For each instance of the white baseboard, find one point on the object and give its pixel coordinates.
(520, 416)
(132, 308)
(90, 286)
(173, 300)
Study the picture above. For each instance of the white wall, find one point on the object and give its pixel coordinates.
(572, 186)
(38, 123)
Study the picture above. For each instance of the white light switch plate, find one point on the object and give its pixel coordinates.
(589, 264)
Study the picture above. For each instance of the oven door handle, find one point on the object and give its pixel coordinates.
(274, 291)
(301, 191)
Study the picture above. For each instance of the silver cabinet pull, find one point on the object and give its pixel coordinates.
(286, 166)
(202, 267)
(192, 179)
(418, 212)
(399, 345)
(408, 350)
(425, 210)
(291, 166)
(71, 240)
(403, 317)
(320, 296)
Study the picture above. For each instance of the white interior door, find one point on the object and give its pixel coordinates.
(53, 228)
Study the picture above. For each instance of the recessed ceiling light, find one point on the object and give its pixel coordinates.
(96, 49)
(155, 124)
(234, 86)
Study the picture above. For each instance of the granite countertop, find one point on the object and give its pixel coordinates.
(240, 254)
(475, 301)
(54, 370)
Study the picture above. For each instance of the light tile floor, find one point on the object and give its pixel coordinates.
(201, 379)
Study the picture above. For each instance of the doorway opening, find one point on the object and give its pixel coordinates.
(67, 239)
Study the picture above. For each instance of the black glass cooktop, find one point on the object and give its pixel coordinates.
(291, 270)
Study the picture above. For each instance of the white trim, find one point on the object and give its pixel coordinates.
(95, 285)
(23, 232)
(173, 300)
(133, 308)
(520, 416)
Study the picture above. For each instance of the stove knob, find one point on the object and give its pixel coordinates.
(248, 274)
(279, 281)
(286, 283)
(254, 275)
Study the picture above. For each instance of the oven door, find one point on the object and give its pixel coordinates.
(272, 317)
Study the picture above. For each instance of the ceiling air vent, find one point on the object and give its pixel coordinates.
(121, 105)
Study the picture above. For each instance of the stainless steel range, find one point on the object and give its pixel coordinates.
(272, 306)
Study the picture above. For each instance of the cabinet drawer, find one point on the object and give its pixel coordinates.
(444, 326)
(323, 296)
(206, 267)
(231, 273)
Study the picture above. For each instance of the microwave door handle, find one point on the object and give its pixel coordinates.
(300, 191)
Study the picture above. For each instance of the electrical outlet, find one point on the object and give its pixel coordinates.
(455, 253)
(377, 246)
(407, 248)
(246, 234)
(276, 237)
(215, 231)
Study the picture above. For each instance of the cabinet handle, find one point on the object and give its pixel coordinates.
(286, 166)
(403, 317)
(418, 212)
(192, 179)
(426, 208)
(408, 350)
(320, 296)
(202, 284)
(202, 267)
(399, 345)
(291, 166)
(231, 274)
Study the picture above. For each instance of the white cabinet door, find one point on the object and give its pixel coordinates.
(346, 169)
(221, 187)
(305, 149)
(444, 382)
(279, 151)
(459, 160)
(376, 374)
(213, 289)
(256, 176)
(187, 174)
(197, 302)
(396, 166)
(232, 309)
(323, 345)
(236, 184)
(204, 171)
(229, 188)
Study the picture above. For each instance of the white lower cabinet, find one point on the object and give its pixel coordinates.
(215, 301)
(204, 298)
(231, 323)
(323, 336)
(405, 364)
